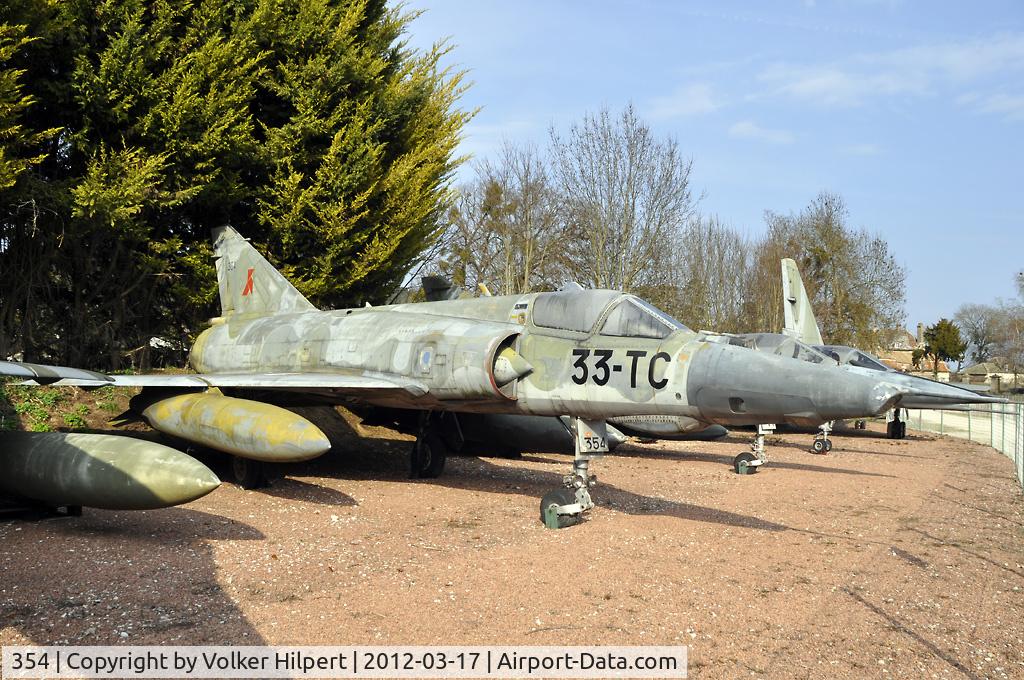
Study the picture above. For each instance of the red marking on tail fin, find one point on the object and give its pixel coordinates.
(248, 283)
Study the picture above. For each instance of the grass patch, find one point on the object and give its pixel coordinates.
(76, 417)
(43, 409)
(108, 406)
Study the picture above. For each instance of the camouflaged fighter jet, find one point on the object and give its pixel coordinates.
(588, 354)
(540, 433)
(801, 325)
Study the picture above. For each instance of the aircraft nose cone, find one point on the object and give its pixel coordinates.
(924, 393)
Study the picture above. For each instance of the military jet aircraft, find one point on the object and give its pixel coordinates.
(490, 433)
(587, 354)
(801, 325)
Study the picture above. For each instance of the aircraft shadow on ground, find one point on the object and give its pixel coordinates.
(530, 482)
(120, 578)
(727, 460)
(940, 542)
(388, 459)
(291, 489)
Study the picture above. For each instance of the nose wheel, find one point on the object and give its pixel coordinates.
(748, 462)
(822, 444)
(564, 507)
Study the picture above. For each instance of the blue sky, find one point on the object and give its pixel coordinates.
(912, 112)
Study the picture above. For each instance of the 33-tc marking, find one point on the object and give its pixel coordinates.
(602, 370)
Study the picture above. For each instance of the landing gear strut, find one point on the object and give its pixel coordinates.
(747, 463)
(431, 449)
(565, 507)
(821, 443)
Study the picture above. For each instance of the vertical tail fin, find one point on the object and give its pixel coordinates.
(800, 321)
(248, 283)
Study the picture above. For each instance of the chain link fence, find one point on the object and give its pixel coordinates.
(1001, 426)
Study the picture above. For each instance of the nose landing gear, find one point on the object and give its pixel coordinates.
(822, 444)
(747, 463)
(564, 507)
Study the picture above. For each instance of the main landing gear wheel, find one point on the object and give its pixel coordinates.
(746, 463)
(428, 456)
(896, 429)
(248, 473)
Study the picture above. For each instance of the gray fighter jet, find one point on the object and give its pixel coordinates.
(801, 325)
(588, 354)
(536, 433)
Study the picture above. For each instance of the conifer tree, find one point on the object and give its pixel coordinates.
(309, 125)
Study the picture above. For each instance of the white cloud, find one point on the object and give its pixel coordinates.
(1008, 105)
(861, 150)
(748, 129)
(694, 99)
(914, 71)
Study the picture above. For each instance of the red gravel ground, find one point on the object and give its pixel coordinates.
(883, 559)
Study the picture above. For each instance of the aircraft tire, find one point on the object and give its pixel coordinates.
(818, 446)
(828, 446)
(561, 496)
(741, 463)
(430, 456)
(248, 474)
(903, 430)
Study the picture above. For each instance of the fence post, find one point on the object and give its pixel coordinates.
(1020, 448)
(991, 426)
(941, 424)
(969, 437)
(1017, 442)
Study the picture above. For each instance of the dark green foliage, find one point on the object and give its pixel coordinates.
(129, 129)
(942, 342)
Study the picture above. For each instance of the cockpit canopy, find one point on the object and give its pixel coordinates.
(580, 310)
(776, 343)
(632, 317)
(854, 357)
